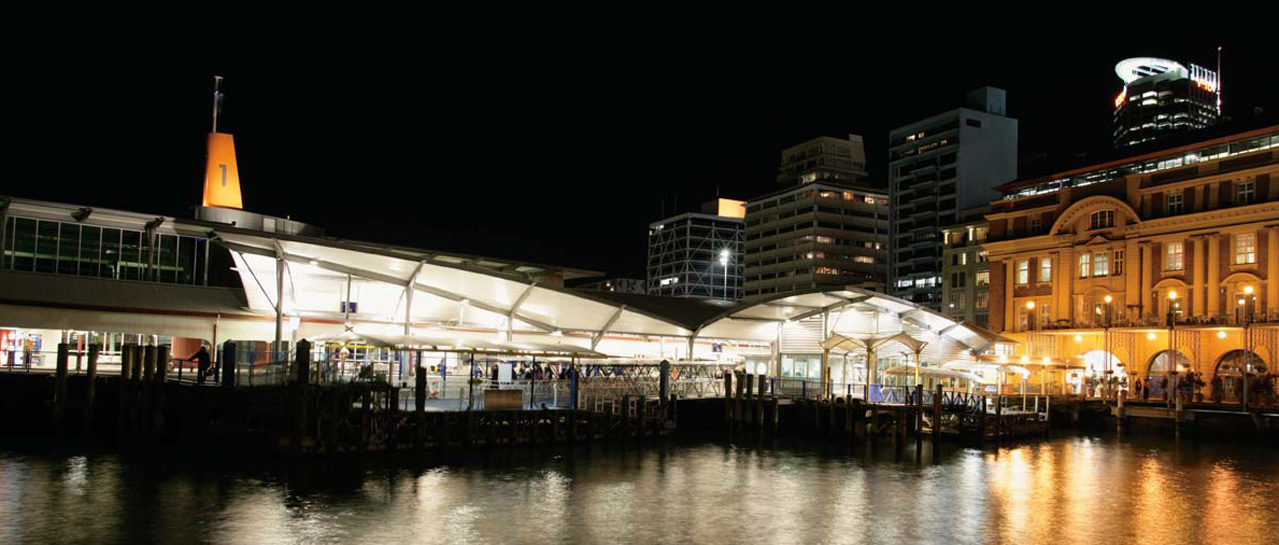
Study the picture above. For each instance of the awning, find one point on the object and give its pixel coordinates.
(935, 372)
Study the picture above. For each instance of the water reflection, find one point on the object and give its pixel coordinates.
(1068, 490)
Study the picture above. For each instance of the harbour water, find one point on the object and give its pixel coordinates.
(1070, 489)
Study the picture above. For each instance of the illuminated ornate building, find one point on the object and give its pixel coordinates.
(1119, 257)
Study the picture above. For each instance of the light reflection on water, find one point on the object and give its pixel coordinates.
(1068, 490)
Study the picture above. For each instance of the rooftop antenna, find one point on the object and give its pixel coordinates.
(217, 100)
(1218, 81)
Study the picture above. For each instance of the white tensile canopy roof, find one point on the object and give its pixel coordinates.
(758, 319)
(317, 270)
(439, 287)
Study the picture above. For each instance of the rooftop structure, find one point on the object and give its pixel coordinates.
(1161, 97)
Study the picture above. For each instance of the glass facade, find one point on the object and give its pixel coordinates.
(104, 252)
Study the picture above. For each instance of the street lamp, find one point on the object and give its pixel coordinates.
(1248, 300)
(723, 260)
(1105, 334)
(1172, 361)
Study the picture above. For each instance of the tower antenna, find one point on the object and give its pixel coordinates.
(217, 100)
(1218, 82)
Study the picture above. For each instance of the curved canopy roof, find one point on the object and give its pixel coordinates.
(316, 268)
(758, 318)
(439, 286)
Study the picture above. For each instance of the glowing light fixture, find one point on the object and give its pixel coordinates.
(1108, 299)
(1030, 305)
(1079, 338)
(1247, 290)
(1151, 335)
(1221, 334)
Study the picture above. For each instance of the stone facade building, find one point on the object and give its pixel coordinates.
(1169, 254)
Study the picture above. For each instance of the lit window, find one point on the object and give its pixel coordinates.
(1085, 261)
(1036, 223)
(1119, 262)
(1100, 264)
(1023, 271)
(1045, 269)
(983, 279)
(1245, 249)
(1173, 254)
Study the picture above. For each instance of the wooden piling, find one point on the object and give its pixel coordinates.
(919, 417)
(60, 386)
(759, 403)
(874, 422)
(937, 417)
(148, 363)
(981, 419)
(728, 399)
(999, 418)
(739, 404)
(91, 385)
(122, 408)
(776, 409)
(157, 395)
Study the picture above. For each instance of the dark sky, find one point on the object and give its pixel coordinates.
(558, 151)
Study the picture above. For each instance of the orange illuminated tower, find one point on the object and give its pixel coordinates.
(221, 176)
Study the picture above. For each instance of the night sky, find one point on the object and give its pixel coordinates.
(557, 151)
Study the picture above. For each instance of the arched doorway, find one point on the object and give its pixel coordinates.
(1096, 365)
(1158, 372)
(1227, 379)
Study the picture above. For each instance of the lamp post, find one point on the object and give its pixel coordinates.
(723, 260)
(1172, 361)
(1030, 315)
(1105, 335)
(1247, 301)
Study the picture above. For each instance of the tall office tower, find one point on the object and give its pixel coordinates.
(698, 254)
(938, 166)
(1161, 98)
(824, 159)
(816, 234)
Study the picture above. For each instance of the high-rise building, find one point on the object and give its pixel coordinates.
(816, 234)
(938, 166)
(966, 270)
(1162, 97)
(824, 159)
(698, 254)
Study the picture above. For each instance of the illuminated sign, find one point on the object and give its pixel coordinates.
(1119, 100)
(221, 175)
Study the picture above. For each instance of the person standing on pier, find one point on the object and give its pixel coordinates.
(202, 361)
